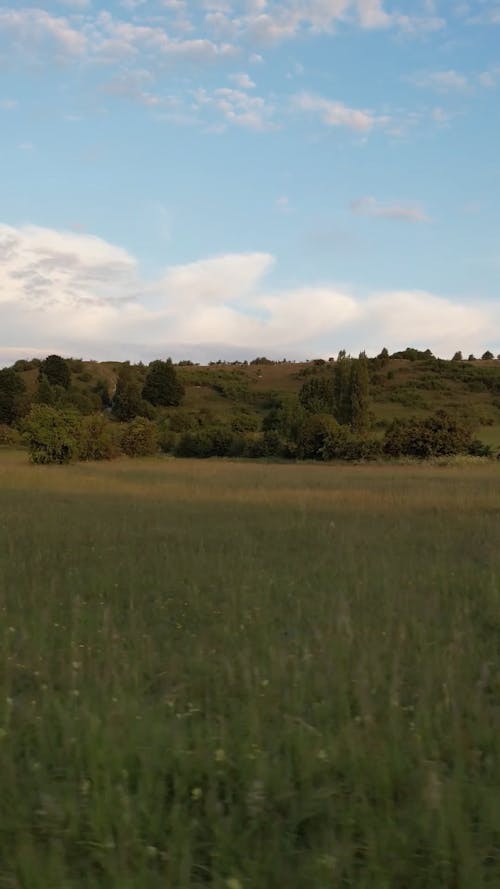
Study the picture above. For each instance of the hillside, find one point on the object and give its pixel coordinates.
(242, 394)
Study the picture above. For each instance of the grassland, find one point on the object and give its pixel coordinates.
(249, 676)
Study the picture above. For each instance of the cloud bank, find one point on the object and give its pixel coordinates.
(78, 294)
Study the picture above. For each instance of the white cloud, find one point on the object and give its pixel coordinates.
(336, 114)
(77, 294)
(242, 81)
(8, 104)
(238, 107)
(102, 38)
(443, 81)
(32, 29)
(369, 206)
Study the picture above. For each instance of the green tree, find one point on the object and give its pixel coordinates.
(162, 387)
(101, 389)
(45, 393)
(342, 389)
(127, 401)
(457, 356)
(317, 395)
(12, 396)
(487, 356)
(56, 369)
(52, 436)
(359, 395)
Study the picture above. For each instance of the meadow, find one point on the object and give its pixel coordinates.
(249, 676)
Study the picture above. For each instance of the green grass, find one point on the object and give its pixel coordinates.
(243, 675)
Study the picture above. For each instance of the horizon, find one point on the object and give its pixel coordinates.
(243, 177)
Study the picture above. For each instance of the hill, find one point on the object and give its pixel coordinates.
(240, 395)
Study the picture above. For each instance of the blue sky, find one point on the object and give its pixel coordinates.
(221, 178)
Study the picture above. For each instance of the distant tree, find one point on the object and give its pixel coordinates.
(127, 401)
(342, 389)
(162, 387)
(101, 389)
(457, 356)
(383, 357)
(56, 369)
(12, 396)
(45, 393)
(317, 395)
(52, 435)
(359, 395)
(471, 357)
(487, 356)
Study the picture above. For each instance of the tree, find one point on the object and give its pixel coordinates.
(12, 396)
(56, 369)
(127, 401)
(457, 356)
(487, 356)
(45, 393)
(383, 357)
(471, 357)
(52, 436)
(162, 388)
(359, 396)
(317, 395)
(341, 388)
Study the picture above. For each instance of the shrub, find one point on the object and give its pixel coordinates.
(436, 436)
(98, 440)
(478, 448)
(9, 437)
(139, 438)
(52, 435)
(316, 436)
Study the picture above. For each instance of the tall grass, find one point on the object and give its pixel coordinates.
(235, 675)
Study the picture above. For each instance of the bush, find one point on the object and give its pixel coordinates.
(52, 436)
(98, 440)
(211, 442)
(244, 423)
(316, 436)
(139, 438)
(440, 435)
(9, 437)
(478, 448)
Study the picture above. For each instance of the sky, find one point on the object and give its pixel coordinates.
(229, 178)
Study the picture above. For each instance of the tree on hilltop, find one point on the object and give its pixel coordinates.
(56, 370)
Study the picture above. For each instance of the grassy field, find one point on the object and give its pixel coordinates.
(249, 676)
